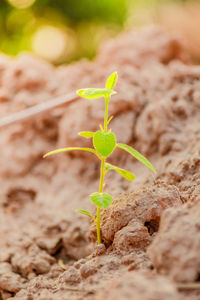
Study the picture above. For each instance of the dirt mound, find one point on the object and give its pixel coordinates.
(131, 221)
(44, 248)
(142, 286)
(175, 250)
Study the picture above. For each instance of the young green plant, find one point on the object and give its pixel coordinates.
(104, 142)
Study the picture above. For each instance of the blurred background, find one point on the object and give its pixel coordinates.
(62, 31)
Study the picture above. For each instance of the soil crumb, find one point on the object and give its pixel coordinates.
(151, 232)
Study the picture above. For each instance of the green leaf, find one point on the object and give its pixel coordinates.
(111, 81)
(102, 200)
(84, 212)
(101, 127)
(109, 120)
(87, 134)
(137, 155)
(87, 213)
(104, 143)
(93, 93)
(126, 174)
(69, 149)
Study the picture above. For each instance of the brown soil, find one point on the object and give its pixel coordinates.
(151, 232)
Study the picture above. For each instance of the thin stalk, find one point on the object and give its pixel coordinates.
(98, 226)
(98, 208)
(93, 219)
(103, 161)
(106, 114)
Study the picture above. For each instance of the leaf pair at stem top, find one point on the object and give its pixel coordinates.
(104, 142)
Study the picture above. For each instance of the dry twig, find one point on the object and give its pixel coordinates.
(39, 109)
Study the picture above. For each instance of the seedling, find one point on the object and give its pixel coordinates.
(104, 142)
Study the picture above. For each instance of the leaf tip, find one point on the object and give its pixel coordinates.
(79, 92)
(111, 81)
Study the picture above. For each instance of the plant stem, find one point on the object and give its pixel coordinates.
(106, 114)
(103, 161)
(98, 226)
(100, 191)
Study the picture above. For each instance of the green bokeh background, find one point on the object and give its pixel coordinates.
(89, 23)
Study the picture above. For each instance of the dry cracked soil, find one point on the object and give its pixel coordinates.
(151, 232)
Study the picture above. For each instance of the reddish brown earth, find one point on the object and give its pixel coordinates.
(151, 232)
